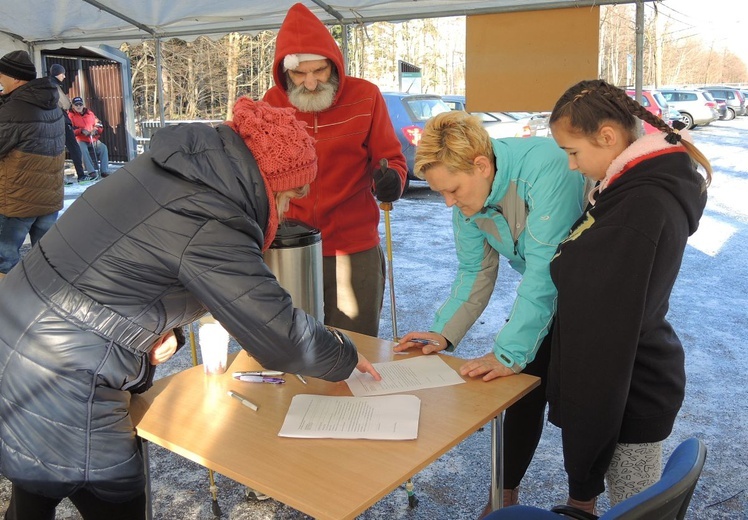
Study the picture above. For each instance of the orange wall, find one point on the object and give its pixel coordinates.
(526, 60)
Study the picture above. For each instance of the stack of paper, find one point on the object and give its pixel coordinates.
(392, 417)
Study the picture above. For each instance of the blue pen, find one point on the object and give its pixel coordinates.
(261, 379)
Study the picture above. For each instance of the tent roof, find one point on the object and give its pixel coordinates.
(52, 23)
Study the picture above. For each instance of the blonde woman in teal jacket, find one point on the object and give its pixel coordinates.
(515, 198)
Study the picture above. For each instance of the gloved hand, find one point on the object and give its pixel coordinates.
(387, 185)
(86, 132)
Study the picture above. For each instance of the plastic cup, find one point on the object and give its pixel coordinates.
(214, 348)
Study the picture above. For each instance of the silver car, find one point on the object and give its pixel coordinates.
(733, 97)
(696, 107)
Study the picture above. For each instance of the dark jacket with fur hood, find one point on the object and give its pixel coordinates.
(175, 234)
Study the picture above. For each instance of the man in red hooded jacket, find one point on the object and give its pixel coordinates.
(348, 118)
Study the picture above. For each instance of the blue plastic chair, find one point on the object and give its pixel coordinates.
(667, 499)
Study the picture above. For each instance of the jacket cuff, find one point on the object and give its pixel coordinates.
(508, 362)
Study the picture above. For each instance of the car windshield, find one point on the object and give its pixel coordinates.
(426, 108)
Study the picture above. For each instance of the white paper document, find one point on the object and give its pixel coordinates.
(405, 375)
(392, 417)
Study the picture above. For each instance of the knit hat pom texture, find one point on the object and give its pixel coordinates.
(279, 142)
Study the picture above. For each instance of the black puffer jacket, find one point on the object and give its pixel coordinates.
(173, 234)
(32, 150)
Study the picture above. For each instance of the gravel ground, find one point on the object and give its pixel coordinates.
(708, 310)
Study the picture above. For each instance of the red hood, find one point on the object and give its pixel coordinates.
(303, 32)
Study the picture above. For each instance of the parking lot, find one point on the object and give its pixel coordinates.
(709, 310)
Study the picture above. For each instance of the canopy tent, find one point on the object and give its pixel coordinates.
(36, 25)
(54, 23)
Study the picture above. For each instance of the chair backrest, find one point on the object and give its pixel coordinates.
(667, 499)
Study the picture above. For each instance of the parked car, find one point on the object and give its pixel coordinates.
(673, 115)
(733, 97)
(505, 124)
(454, 102)
(655, 103)
(538, 121)
(409, 113)
(502, 124)
(721, 107)
(696, 107)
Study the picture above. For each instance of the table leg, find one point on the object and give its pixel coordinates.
(147, 464)
(497, 462)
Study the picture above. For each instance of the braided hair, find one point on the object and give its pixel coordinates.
(589, 104)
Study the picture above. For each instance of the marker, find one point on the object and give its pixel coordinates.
(426, 341)
(301, 378)
(258, 373)
(245, 402)
(261, 379)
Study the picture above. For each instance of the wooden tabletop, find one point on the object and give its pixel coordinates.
(191, 414)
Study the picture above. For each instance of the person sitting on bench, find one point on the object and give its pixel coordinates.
(88, 129)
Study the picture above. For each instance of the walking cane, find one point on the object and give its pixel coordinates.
(96, 163)
(387, 207)
(213, 488)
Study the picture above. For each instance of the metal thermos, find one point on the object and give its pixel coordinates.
(295, 257)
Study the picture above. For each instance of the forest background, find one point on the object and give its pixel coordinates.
(203, 78)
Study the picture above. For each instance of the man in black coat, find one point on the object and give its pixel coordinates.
(57, 74)
(32, 156)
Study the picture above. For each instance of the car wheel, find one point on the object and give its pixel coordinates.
(730, 114)
(687, 120)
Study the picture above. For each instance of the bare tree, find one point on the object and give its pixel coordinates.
(203, 78)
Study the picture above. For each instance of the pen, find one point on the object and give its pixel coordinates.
(425, 341)
(261, 379)
(301, 378)
(259, 373)
(245, 402)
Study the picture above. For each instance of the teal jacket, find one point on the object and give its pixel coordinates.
(533, 203)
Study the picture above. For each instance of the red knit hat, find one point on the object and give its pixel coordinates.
(283, 149)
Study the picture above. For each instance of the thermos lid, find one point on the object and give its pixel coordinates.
(294, 233)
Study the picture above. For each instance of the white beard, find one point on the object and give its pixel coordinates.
(315, 100)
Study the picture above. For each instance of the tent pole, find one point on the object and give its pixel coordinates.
(639, 79)
(160, 82)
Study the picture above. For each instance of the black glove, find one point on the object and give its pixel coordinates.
(387, 185)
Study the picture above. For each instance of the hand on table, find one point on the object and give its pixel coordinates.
(407, 342)
(365, 366)
(487, 366)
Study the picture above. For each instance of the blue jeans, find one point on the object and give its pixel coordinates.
(13, 232)
(102, 156)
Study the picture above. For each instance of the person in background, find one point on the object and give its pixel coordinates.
(177, 233)
(349, 121)
(32, 156)
(88, 129)
(57, 73)
(617, 377)
(514, 198)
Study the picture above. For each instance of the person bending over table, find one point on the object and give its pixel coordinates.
(84, 317)
(511, 197)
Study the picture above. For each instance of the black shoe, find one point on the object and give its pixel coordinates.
(104, 174)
